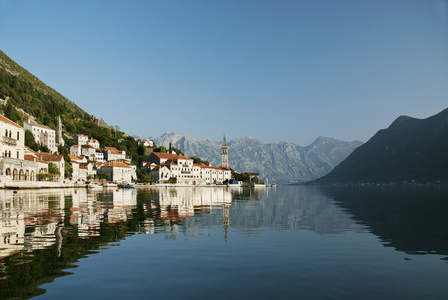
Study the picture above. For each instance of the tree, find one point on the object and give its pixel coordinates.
(53, 169)
(104, 175)
(11, 112)
(29, 141)
(68, 170)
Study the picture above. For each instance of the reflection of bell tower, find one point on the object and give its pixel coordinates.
(224, 153)
(225, 220)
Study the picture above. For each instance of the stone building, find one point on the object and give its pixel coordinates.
(42, 135)
(13, 166)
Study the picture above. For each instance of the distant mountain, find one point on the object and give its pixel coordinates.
(410, 149)
(279, 162)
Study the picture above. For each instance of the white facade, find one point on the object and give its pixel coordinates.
(81, 139)
(43, 135)
(181, 168)
(12, 141)
(94, 143)
(75, 150)
(118, 171)
(88, 151)
(113, 154)
(99, 156)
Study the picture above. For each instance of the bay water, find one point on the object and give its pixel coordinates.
(288, 242)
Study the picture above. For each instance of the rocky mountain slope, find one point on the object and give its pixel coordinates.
(409, 149)
(279, 162)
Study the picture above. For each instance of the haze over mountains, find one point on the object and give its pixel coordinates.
(279, 162)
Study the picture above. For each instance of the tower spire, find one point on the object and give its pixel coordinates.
(224, 153)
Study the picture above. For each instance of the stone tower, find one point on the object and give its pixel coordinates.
(59, 139)
(225, 154)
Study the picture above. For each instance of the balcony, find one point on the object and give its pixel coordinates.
(9, 141)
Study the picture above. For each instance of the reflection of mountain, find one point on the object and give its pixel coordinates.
(290, 208)
(410, 219)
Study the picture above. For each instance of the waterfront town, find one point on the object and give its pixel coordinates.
(20, 166)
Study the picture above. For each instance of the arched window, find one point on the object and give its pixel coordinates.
(18, 135)
(6, 133)
(9, 154)
(27, 175)
(8, 172)
(32, 176)
(15, 174)
(10, 133)
(21, 175)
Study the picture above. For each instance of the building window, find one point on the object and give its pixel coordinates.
(18, 135)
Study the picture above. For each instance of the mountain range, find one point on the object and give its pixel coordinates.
(410, 149)
(279, 162)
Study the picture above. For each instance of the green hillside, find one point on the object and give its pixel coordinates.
(410, 150)
(26, 92)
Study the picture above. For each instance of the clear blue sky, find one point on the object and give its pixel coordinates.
(278, 70)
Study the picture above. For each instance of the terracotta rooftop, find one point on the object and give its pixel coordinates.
(50, 157)
(170, 156)
(6, 120)
(116, 164)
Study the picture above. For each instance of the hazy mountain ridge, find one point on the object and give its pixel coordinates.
(279, 162)
(409, 149)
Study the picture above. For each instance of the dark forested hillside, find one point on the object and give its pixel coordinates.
(412, 150)
(22, 93)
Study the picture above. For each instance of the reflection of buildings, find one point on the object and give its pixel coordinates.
(29, 219)
(33, 219)
(179, 203)
(173, 206)
(91, 208)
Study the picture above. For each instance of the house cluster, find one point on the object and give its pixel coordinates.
(20, 163)
(169, 167)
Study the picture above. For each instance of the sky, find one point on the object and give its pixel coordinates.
(277, 70)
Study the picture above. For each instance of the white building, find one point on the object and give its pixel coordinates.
(75, 150)
(12, 139)
(118, 171)
(113, 154)
(94, 143)
(43, 135)
(81, 139)
(57, 160)
(88, 151)
(13, 166)
(99, 156)
(182, 169)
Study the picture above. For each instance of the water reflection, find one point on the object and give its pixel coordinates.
(45, 232)
(413, 220)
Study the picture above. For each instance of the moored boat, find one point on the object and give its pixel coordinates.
(126, 185)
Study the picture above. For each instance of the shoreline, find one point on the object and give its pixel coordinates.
(23, 185)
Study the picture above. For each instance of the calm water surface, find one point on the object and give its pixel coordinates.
(224, 243)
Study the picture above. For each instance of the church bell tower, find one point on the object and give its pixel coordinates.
(224, 154)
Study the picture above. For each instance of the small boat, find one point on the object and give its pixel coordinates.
(94, 186)
(110, 184)
(126, 185)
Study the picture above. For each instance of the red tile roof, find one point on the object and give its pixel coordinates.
(50, 157)
(6, 120)
(170, 156)
(116, 164)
